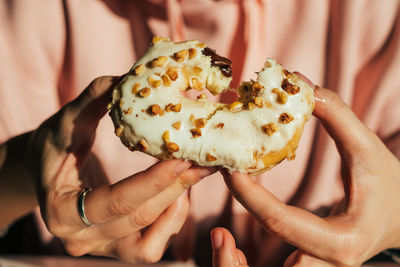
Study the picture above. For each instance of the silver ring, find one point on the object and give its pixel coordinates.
(81, 206)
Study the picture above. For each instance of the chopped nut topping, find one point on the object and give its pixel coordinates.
(181, 55)
(157, 39)
(285, 118)
(200, 123)
(258, 101)
(201, 97)
(192, 118)
(196, 132)
(291, 89)
(177, 107)
(286, 72)
(270, 128)
(135, 88)
(172, 147)
(169, 107)
(131, 147)
(166, 137)
(153, 82)
(160, 61)
(118, 131)
(268, 104)
(219, 125)
(109, 106)
(267, 65)
(172, 73)
(156, 109)
(128, 111)
(121, 103)
(142, 145)
(201, 45)
(257, 89)
(145, 92)
(139, 69)
(251, 106)
(210, 157)
(197, 70)
(161, 113)
(192, 53)
(177, 125)
(281, 98)
(235, 106)
(196, 84)
(166, 80)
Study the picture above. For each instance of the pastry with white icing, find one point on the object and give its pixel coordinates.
(249, 135)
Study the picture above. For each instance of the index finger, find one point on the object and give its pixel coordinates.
(110, 202)
(294, 225)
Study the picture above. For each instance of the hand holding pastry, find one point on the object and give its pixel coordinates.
(365, 223)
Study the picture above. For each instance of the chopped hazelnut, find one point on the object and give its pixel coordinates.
(257, 89)
(201, 97)
(155, 109)
(131, 147)
(285, 118)
(109, 106)
(177, 107)
(166, 80)
(219, 125)
(145, 92)
(235, 106)
(153, 82)
(281, 98)
(121, 103)
(118, 131)
(177, 125)
(139, 69)
(192, 118)
(172, 73)
(201, 45)
(270, 128)
(210, 157)
(128, 111)
(286, 72)
(166, 137)
(142, 145)
(192, 53)
(258, 101)
(291, 89)
(200, 123)
(157, 39)
(196, 84)
(267, 65)
(251, 106)
(197, 70)
(169, 107)
(160, 61)
(172, 147)
(196, 132)
(181, 55)
(135, 88)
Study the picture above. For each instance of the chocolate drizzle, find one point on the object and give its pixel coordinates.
(223, 63)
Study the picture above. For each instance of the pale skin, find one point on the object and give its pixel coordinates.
(364, 223)
(133, 220)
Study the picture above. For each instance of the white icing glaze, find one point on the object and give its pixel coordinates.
(235, 144)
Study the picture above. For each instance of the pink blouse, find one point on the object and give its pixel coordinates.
(51, 50)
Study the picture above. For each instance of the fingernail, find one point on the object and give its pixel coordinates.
(181, 166)
(216, 239)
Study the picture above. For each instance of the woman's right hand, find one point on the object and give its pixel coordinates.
(132, 220)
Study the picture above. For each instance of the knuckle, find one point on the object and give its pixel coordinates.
(141, 218)
(75, 249)
(351, 249)
(275, 222)
(149, 255)
(118, 207)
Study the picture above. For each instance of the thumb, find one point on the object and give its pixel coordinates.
(225, 253)
(91, 104)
